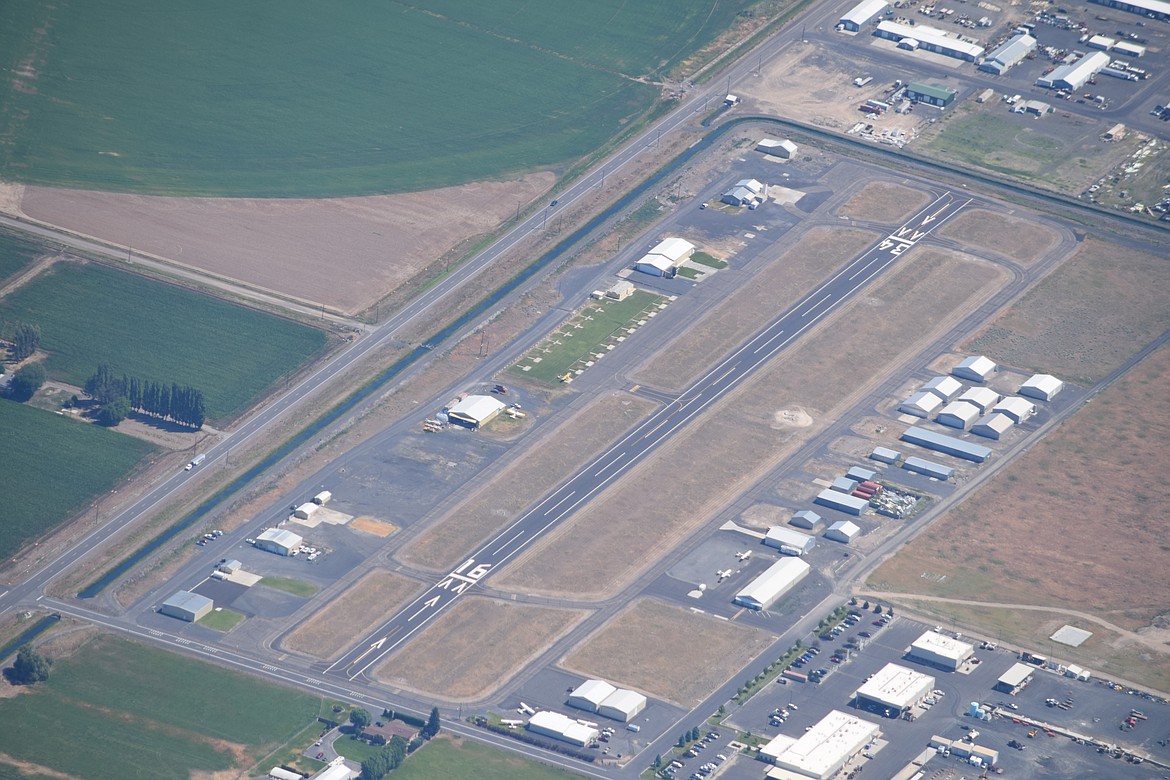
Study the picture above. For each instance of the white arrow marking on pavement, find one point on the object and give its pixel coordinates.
(426, 605)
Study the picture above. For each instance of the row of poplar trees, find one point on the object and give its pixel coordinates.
(179, 404)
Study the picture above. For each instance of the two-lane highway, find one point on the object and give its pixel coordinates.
(648, 436)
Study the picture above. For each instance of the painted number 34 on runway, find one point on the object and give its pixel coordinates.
(465, 576)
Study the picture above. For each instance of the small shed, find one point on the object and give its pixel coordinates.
(959, 414)
(1042, 386)
(620, 290)
(231, 566)
(993, 426)
(772, 147)
(323, 498)
(885, 455)
(976, 368)
(805, 518)
(844, 531)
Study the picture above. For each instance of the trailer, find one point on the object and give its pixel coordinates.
(195, 461)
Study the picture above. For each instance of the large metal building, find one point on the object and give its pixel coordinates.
(921, 404)
(623, 704)
(945, 387)
(278, 540)
(929, 39)
(983, 397)
(562, 727)
(823, 750)
(940, 650)
(893, 690)
(843, 531)
(976, 368)
(1016, 408)
(805, 518)
(1158, 9)
(475, 411)
(1009, 54)
(959, 414)
(186, 605)
(862, 14)
(1075, 75)
(1042, 386)
(788, 541)
(950, 445)
(779, 578)
(590, 694)
(993, 426)
(1014, 679)
(842, 502)
(928, 468)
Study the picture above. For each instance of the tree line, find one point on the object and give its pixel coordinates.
(119, 395)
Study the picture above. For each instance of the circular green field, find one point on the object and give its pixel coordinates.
(298, 98)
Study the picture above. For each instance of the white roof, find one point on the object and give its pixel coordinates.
(994, 425)
(1071, 635)
(1044, 385)
(930, 35)
(779, 535)
(946, 387)
(864, 11)
(777, 745)
(961, 410)
(1103, 41)
(978, 365)
(1016, 675)
(983, 397)
(1076, 74)
(592, 692)
(896, 686)
(1126, 47)
(308, 508)
(755, 185)
(280, 773)
(625, 701)
(656, 261)
(844, 528)
(825, 747)
(338, 771)
(773, 583)
(476, 407)
(922, 401)
(281, 536)
(186, 600)
(1016, 407)
(673, 249)
(942, 646)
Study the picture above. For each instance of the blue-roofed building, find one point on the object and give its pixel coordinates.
(940, 442)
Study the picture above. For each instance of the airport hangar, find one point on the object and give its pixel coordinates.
(475, 411)
(779, 578)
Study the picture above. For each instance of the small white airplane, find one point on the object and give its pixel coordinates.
(743, 556)
(724, 574)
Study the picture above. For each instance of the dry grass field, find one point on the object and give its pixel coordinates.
(1021, 240)
(795, 270)
(522, 482)
(1073, 523)
(442, 661)
(628, 651)
(366, 603)
(1087, 318)
(345, 253)
(371, 526)
(607, 544)
(884, 201)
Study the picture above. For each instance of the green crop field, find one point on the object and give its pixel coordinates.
(101, 715)
(92, 314)
(596, 327)
(16, 254)
(444, 758)
(52, 466)
(278, 98)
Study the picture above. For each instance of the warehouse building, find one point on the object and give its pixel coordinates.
(976, 368)
(992, 426)
(779, 578)
(844, 485)
(306, 511)
(475, 411)
(789, 542)
(945, 387)
(885, 455)
(1129, 49)
(805, 518)
(843, 531)
(983, 397)
(1077, 74)
(929, 39)
(186, 605)
(784, 149)
(676, 250)
(1102, 42)
(861, 474)
(1011, 681)
(940, 442)
(921, 404)
(959, 414)
(928, 468)
(823, 750)
(1045, 387)
(590, 694)
(623, 704)
(1035, 107)
(655, 265)
(893, 690)
(279, 541)
(862, 14)
(1011, 53)
(842, 502)
(931, 94)
(940, 650)
(1016, 408)
(1156, 9)
(562, 727)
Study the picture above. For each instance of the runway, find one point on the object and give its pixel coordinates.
(647, 437)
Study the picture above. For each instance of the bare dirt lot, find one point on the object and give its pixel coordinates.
(795, 270)
(441, 661)
(883, 201)
(1074, 516)
(345, 253)
(522, 482)
(1087, 318)
(603, 547)
(366, 603)
(1022, 240)
(628, 651)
